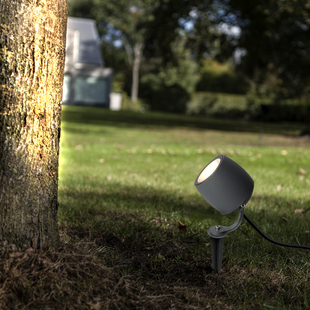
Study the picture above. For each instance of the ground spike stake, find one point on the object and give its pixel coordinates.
(217, 234)
(217, 246)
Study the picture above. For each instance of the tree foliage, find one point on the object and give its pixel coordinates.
(274, 36)
(221, 78)
(124, 20)
(145, 30)
(171, 81)
(266, 41)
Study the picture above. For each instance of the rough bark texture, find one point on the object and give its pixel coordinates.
(32, 51)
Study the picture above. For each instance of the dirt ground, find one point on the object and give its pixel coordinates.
(74, 277)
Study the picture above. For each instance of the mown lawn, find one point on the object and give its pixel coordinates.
(126, 184)
(126, 180)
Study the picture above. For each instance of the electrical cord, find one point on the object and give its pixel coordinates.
(273, 241)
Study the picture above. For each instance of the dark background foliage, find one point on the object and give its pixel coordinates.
(257, 48)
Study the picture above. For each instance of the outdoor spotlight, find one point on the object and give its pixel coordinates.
(227, 187)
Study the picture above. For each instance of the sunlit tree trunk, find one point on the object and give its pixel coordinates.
(32, 51)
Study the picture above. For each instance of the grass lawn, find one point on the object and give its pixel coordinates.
(126, 181)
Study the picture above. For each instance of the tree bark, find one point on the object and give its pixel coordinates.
(135, 71)
(32, 52)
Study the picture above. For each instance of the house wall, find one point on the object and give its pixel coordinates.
(87, 81)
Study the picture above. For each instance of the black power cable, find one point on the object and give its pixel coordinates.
(273, 241)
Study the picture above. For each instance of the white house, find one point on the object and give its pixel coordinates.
(86, 80)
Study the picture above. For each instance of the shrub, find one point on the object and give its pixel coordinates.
(289, 110)
(169, 86)
(221, 77)
(217, 104)
(128, 104)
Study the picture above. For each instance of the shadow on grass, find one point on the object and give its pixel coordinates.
(284, 220)
(146, 201)
(164, 267)
(144, 222)
(88, 115)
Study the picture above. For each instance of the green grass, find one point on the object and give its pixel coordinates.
(126, 179)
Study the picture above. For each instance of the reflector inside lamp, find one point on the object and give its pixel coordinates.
(209, 170)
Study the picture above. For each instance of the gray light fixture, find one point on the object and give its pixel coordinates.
(227, 187)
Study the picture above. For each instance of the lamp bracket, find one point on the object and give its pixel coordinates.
(219, 231)
(217, 234)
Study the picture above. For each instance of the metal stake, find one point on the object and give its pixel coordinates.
(217, 234)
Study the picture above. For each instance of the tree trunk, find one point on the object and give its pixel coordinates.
(135, 71)
(32, 52)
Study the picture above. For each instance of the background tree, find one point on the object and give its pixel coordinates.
(274, 40)
(32, 47)
(221, 77)
(125, 19)
(168, 83)
(146, 30)
(265, 40)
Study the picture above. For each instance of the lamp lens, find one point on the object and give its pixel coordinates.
(209, 170)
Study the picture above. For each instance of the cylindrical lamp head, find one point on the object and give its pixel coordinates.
(224, 185)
